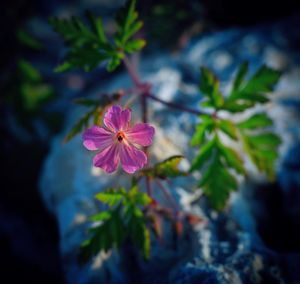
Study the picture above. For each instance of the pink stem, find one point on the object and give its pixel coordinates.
(173, 105)
(167, 194)
(149, 186)
(132, 73)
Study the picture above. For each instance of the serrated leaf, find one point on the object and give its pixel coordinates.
(97, 26)
(165, 169)
(265, 140)
(258, 120)
(204, 154)
(262, 150)
(217, 183)
(28, 71)
(204, 127)
(237, 106)
(209, 86)
(34, 95)
(28, 40)
(111, 198)
(128, 26)
(134, 45)
(87, 47)
(113, 63)
(79, 126)
(232, 158)
(262, 81)
(102, 216)
(240, 76)
(229, 128)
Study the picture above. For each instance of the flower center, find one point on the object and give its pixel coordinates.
(120, 136)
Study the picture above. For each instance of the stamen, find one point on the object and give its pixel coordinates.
(120, 136)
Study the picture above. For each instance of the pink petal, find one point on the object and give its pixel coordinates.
(96, 138)
(141, 133)
(108, 159)
(132, 159)
(117, 119)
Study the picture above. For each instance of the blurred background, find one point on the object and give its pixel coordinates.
(35, 102)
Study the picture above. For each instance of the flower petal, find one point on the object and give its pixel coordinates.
(117, 119)
(97, 138)
(108, 159)
(141, 133)
(132, 159)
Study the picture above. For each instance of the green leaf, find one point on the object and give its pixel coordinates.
(125, 220)
(165, 169)
(74, 32)
(28, 40)
(28, 71)
(237, 106)
(34, 95)
(111, 197)
(127, 27)
(113, 63)
(88, 47)
(265, 140)
(217, 183)
(134, 45)
(262, 81)
(110, 234)
(204, 154)
(229, 128)
(95, 113)
(262, 150)
(201, 129)
(79, 126)
(232, 159)
(240, 76)
(258, 120)
(209, 86)
(102, 216)
(97, 26)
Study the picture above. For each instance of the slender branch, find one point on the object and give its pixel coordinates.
(132, 73)
(149, 186)
(176, 106)
(167, 195)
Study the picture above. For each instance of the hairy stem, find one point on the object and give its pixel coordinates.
(132, 73)
(149, 186)
(176, 106)
(167, 195)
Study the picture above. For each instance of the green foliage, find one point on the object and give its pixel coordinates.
(123, 221)
(34, 91)
(127, 27)
(246, 94)
(95, 114)
(28, 40)
(221, 163)
(165, 169)
(89, 45)
(217, 181)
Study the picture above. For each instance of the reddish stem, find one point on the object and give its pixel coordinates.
(167, 195)
(173, 105)
(132, 73)
(149, 186)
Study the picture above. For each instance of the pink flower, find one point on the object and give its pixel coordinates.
(117, 141)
